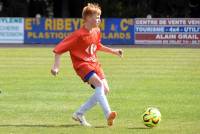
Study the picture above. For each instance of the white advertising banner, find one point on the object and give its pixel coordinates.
(167, 31)
(11, 30)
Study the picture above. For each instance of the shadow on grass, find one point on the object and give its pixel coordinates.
(139, 128)
(100, 126)
(44, 126)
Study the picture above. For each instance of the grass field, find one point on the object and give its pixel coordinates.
(34, 102)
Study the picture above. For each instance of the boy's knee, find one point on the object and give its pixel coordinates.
(98, 83)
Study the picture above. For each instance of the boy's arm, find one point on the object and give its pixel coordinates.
(56, 65)
(64, 46)
(118, 52)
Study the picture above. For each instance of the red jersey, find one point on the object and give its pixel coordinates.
(82, 46)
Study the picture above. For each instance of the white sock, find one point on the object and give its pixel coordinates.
(98, 96)
(101, 98)
(87, 105)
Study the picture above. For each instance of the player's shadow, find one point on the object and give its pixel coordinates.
(138, 128)
(46, 126)
(40, 125)
(100, 126)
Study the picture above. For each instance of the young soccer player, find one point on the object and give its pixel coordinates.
(82, 45)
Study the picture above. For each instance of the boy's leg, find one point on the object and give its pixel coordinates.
(100, 94)
(87, 105)
(101, 98)
(113, 114)
(92, 101)
(106, 87)
(79, 114)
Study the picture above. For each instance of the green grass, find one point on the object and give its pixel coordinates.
(32, 101)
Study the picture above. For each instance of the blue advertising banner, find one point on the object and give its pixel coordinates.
(118, 31)
(53, 30)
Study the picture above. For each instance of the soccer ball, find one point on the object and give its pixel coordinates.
(151, 117)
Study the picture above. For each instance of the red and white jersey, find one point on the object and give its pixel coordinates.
(82, 45)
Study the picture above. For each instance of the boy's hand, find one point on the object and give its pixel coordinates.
(119, 52)
(54, 71)
(55, 67)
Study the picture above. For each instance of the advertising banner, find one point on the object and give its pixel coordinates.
(53, 30)
(167, 31)
(11, 30)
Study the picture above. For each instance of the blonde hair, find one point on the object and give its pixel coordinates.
(91, 8)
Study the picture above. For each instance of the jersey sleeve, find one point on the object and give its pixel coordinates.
(99, 45)
(66, 44)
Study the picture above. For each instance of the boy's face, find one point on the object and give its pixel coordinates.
(94, 20)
